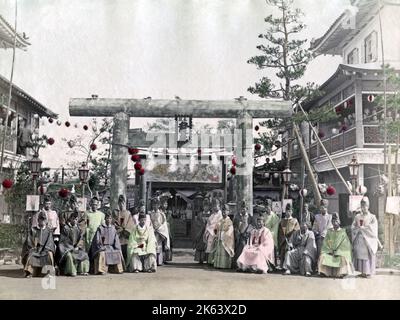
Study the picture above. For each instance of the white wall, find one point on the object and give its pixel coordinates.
(391, 35)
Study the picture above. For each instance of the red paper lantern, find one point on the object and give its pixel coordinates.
(321, 134)
(141, 171)
(51, 120)
(133, 150)
(199, 151)
(93, 147)
(233, 170)
(67, 124)
(50, 141)
(256, 128)
(63, 193)
(85, 127)
(138, 166)
(135, 158)
(371, 98)
(338, 110)
(330, 191)
(7, 183)
(257, 147)
(234, 161)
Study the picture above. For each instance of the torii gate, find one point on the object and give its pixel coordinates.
(122, 109)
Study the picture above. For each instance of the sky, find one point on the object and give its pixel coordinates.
(196, 49)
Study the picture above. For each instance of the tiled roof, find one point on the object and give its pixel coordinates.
(7, 33)
(330, 42)
(39, 108)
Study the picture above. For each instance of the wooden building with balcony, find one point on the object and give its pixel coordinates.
(351, 92)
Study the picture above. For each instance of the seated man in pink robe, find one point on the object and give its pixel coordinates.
(258, 254)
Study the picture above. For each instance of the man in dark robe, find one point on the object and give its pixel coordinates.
(302, 254)
(105, 251)
(199, 227)
(73, 257)
(243, 228)
(41, 248)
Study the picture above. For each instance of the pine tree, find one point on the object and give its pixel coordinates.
(288, 56)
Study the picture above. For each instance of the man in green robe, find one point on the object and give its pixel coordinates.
(73, 257)
(94, 218)
(335, 260)
(224, 249)
(142, 247)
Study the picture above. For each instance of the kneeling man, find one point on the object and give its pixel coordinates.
(302, 252)
(105, 251)
(258, 255)
(142, 247)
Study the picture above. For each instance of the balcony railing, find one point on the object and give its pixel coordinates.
(334, 144)
(373, 135)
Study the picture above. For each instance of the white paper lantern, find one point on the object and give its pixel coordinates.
(36, 116)
(303, 192)
(334, 131)
(362, 190)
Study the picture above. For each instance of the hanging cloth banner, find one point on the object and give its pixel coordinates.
(393, 205)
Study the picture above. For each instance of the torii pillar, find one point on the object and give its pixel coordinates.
(123, 109)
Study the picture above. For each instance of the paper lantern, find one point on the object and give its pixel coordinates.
(321, 134)
(7, 183)
(51, 120)
(334, 131)
(138, 166)
(199, 151)
(63, 193)
(58, 122)
(50, 141)
(303, 192)
(141, 171)
(257, 147)
(371, 98)
(76, 126)
(85, 127)
(42, 189)
(36, 116)
(256, 128)
(362, 190)
(277, 144)
(233, 170)
(338, 110)
(67, 124)
(93, 147)
(71, 144)
(133, 150)
(234, 161)
(135, 158)
(276, 175)
(330, 191)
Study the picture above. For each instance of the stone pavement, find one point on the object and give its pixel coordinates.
(184, 280)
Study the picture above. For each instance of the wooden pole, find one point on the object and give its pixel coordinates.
(326, 152)
(303, 151)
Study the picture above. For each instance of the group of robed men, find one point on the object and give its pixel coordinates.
(96, 242)
(266, 242)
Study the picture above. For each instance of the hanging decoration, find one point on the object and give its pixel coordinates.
(234, 162)
(362, 190)
(321, 134)
(141, 171)
(257, 147)
(330, 191)
(58, 122)
(138, 166)
(277, 144)
(256, 128)
(199, 151)
(135, 158)
(67, 124)
(7, 183)
(63, 193)
(371, 98)
(85, 127)
(233, 170)
(71, 144)
(51, 120)
(93, 146)
(50, 141)
(303, 193)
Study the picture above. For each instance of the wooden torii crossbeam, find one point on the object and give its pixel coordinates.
(122, 109)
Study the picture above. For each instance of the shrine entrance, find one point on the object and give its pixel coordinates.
(122, 109)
